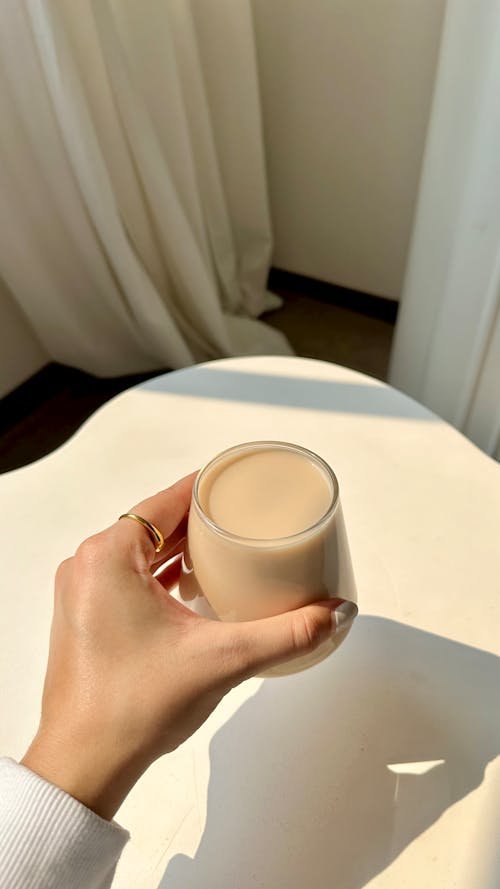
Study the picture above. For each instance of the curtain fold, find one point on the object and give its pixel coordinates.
(447, 345)
(135, 225)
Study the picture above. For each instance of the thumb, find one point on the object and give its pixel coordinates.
(264, 643)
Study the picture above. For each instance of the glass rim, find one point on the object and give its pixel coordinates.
(269, 542)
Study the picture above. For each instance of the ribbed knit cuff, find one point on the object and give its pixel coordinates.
(49, 840)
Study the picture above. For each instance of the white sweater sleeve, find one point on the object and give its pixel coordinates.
(48, 840)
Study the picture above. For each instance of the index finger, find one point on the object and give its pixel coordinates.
(166, 510)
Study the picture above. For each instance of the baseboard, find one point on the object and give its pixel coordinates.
(365, 303)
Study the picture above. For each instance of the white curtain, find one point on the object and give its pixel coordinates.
(135, 228)
(447, 346)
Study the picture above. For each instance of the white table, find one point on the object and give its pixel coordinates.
(376, 768)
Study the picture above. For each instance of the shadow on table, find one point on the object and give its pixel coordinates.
(322, 779)
(314, 394)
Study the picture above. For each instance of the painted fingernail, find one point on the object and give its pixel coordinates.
(343, 616)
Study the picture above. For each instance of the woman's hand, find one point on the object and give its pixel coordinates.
(131, 672)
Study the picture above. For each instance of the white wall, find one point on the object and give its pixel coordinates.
(346, 88)
(21, 355)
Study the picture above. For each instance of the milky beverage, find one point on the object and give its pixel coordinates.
(266, 534)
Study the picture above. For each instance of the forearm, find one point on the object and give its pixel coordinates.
(49, 839)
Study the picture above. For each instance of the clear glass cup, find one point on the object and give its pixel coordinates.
(247, 578)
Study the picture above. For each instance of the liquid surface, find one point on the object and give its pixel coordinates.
(265, 494)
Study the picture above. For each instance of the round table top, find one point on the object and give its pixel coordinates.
(379, 767)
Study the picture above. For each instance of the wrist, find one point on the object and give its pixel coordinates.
(94, 773)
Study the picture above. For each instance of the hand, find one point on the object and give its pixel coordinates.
(131, 672)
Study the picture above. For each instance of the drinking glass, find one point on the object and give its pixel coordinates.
(246, 578)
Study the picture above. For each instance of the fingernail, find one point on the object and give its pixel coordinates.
(343, 616)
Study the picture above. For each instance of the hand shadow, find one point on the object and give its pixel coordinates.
(314, 781)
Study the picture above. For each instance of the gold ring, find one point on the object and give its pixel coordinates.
(155, 533)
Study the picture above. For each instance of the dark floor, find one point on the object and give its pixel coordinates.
(43, 413)
(320, 321)
(319, 328)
